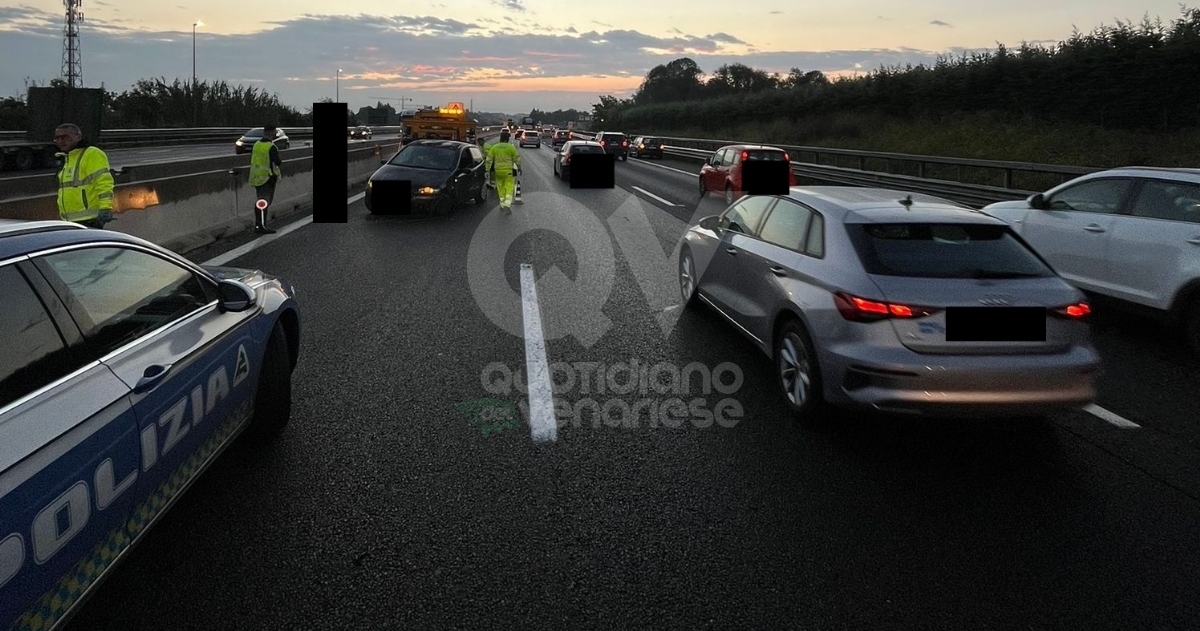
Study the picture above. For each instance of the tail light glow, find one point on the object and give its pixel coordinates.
(1076, 311)
(859, 309)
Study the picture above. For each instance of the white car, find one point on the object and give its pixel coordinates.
(529, 138)
(1131, 233)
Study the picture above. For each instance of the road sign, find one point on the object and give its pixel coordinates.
(261, 204)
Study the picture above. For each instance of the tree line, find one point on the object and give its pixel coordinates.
(1123, 76)
(154, 103)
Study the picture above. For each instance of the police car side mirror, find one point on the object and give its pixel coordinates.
(234, 296)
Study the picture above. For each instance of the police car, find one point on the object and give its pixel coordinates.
(125, 370)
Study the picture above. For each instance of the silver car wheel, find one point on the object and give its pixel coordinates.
(795, 370)
(687, 277)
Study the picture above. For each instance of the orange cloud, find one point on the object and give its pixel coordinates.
(589, 84)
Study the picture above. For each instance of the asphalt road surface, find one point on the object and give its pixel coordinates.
(390, 502)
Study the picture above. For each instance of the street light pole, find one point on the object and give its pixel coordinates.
(195, 100)
(337, 94)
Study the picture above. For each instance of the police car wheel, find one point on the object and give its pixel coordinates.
(481, 194)
(273, 402)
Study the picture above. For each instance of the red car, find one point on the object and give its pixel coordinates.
(723, 171)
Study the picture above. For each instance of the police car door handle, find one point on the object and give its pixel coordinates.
(151, 377)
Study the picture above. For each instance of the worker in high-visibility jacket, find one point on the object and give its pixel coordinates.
(506, 160)
(265, 170)
(85, 183)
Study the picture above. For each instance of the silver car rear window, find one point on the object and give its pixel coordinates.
(952, 250)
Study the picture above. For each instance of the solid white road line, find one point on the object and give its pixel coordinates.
(1111, 417)
(646, 192)
(543, 426)
(242, 250)
(247, 248)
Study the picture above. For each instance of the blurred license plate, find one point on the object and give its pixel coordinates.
(995, 324)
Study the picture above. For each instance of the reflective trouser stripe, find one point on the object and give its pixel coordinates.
(504, 188)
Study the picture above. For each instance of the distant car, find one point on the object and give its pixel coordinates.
(1132, 234)
(615, 144)
(562, 157)
(362, 132)
(246, 143)
(443, 173)
(644, 146)
(530, 138)
(127, 371)
(723, 171)
(893, 301)
(559, 138)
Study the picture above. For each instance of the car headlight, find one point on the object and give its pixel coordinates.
(238, 143)
(369, 183)
(427, 190)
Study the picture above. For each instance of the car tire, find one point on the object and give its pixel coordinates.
(797, 372)
(728, 194)
(688, 283)
(703, 191)
(625, 158)
(481, 194)
(273, 401)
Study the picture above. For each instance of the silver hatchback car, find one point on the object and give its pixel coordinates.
(894, 301)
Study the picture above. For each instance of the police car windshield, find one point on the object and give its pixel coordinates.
(425, 157)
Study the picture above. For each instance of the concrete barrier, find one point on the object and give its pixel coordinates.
(187, 205)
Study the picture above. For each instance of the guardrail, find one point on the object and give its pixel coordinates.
(1006, 173)
(183, 135)
(975, 194)
(935, 175)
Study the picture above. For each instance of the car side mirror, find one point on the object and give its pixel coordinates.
(711, 223)
(1038, 201)
(234, 296)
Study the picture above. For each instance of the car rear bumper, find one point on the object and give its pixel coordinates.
(904, 382)
(418, 203)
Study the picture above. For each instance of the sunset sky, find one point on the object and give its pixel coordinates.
(511, 55)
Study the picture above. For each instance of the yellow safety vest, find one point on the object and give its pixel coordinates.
(260, 163)
(85, 185)
(504, 157)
